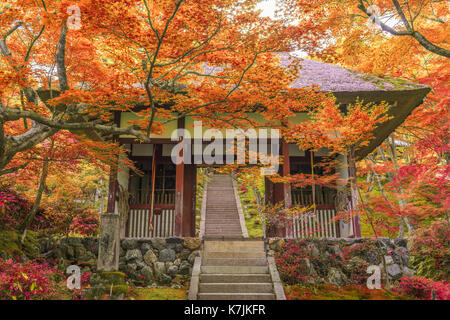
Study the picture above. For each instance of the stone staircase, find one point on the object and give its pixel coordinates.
(234, 270)
(231, 266)
(222, 217)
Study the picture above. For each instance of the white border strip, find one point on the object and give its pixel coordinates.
(239, 208)
(195, 279)
(203, 211)
(277, 284)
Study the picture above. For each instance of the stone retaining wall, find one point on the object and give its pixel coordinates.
(145, 261)
(340, 261)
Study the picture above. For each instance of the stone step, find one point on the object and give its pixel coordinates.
(234, 278)
(236, 296)
(220, 213)
(234, 254)
(233, 245)
(218, 222)
(217, 234)
(224, 202)
(227, 231)
(219, 217)
(222, 216)
(235, 288)
(226, 191)
(225, 227)
(224, 232)
(234, 262)
(214, 217)
(235, 269)
(227, 222)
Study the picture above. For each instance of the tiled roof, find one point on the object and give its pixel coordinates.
(333, 78)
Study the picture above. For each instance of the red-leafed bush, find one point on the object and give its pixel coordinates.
(28, 281)
(430, 250)
(87, 224)
(243, 189)
(13, 210)
(292, 264)
(423, 288)
(329, 292)
(298, 265)
(78, 294)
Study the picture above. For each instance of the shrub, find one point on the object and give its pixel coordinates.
(423, 288)
(330, 292)
(297, 265)
(430, 250)
(28, 281)
(14, 209)
(87, 224)
(292, 263)
(85, 282)
(426, 288)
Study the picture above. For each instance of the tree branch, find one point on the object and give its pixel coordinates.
(13, 114)
(60, 60)
(408, 32)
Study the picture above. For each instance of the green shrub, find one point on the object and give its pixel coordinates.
(430, 251)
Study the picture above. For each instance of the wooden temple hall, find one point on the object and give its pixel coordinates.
(164, 195)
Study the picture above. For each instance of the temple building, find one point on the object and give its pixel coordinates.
(160, 202)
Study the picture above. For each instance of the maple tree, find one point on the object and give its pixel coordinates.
(406, 178)
(175, 57)
(66, 70)
(422, 24)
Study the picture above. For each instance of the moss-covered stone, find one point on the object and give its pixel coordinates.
(113, 277)
(11, 244)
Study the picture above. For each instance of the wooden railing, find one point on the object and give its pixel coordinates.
(139, 222)
(318, 225)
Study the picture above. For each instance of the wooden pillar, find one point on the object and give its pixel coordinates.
(179, 184)
(286, 170)
(268, 191)
(187, 217)
(193, 199)
(184, 200)
(184, 196)
(280, 192)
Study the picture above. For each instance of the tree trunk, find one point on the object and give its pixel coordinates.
(44, 173)
(29, 219)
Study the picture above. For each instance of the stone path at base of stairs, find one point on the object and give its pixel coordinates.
(235, 270)
(222, 217)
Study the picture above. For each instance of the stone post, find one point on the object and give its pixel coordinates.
(109, 244)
